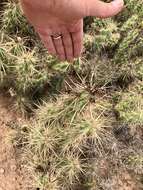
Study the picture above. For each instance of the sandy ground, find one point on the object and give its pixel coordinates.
(12, 176)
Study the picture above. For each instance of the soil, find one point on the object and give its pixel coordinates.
(12, 175)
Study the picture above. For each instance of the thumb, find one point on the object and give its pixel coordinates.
(103, 10)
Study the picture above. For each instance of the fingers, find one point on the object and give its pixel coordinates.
(48, 43)
(60, 50)
(68, 45)
(77, 38)
(103, 10)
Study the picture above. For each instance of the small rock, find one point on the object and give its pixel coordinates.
(2, 171)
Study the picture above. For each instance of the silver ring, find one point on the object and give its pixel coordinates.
(57, 37)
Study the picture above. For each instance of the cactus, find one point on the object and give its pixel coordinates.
(130, 106)
(81, 111)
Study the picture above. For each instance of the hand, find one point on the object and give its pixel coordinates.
(60, 22)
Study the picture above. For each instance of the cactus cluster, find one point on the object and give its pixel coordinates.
(87, 119)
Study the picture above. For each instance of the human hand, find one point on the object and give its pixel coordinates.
(59, 23)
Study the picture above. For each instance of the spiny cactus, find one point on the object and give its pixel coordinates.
(49, 181)
(88, 109)
(104, 35)
(69, 169)
(124, 52)
(63, 132)
(13, 22)
(130, 107)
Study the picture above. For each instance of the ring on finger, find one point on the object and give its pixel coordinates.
(57, 37)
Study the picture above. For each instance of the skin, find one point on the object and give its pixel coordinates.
(53, 17)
